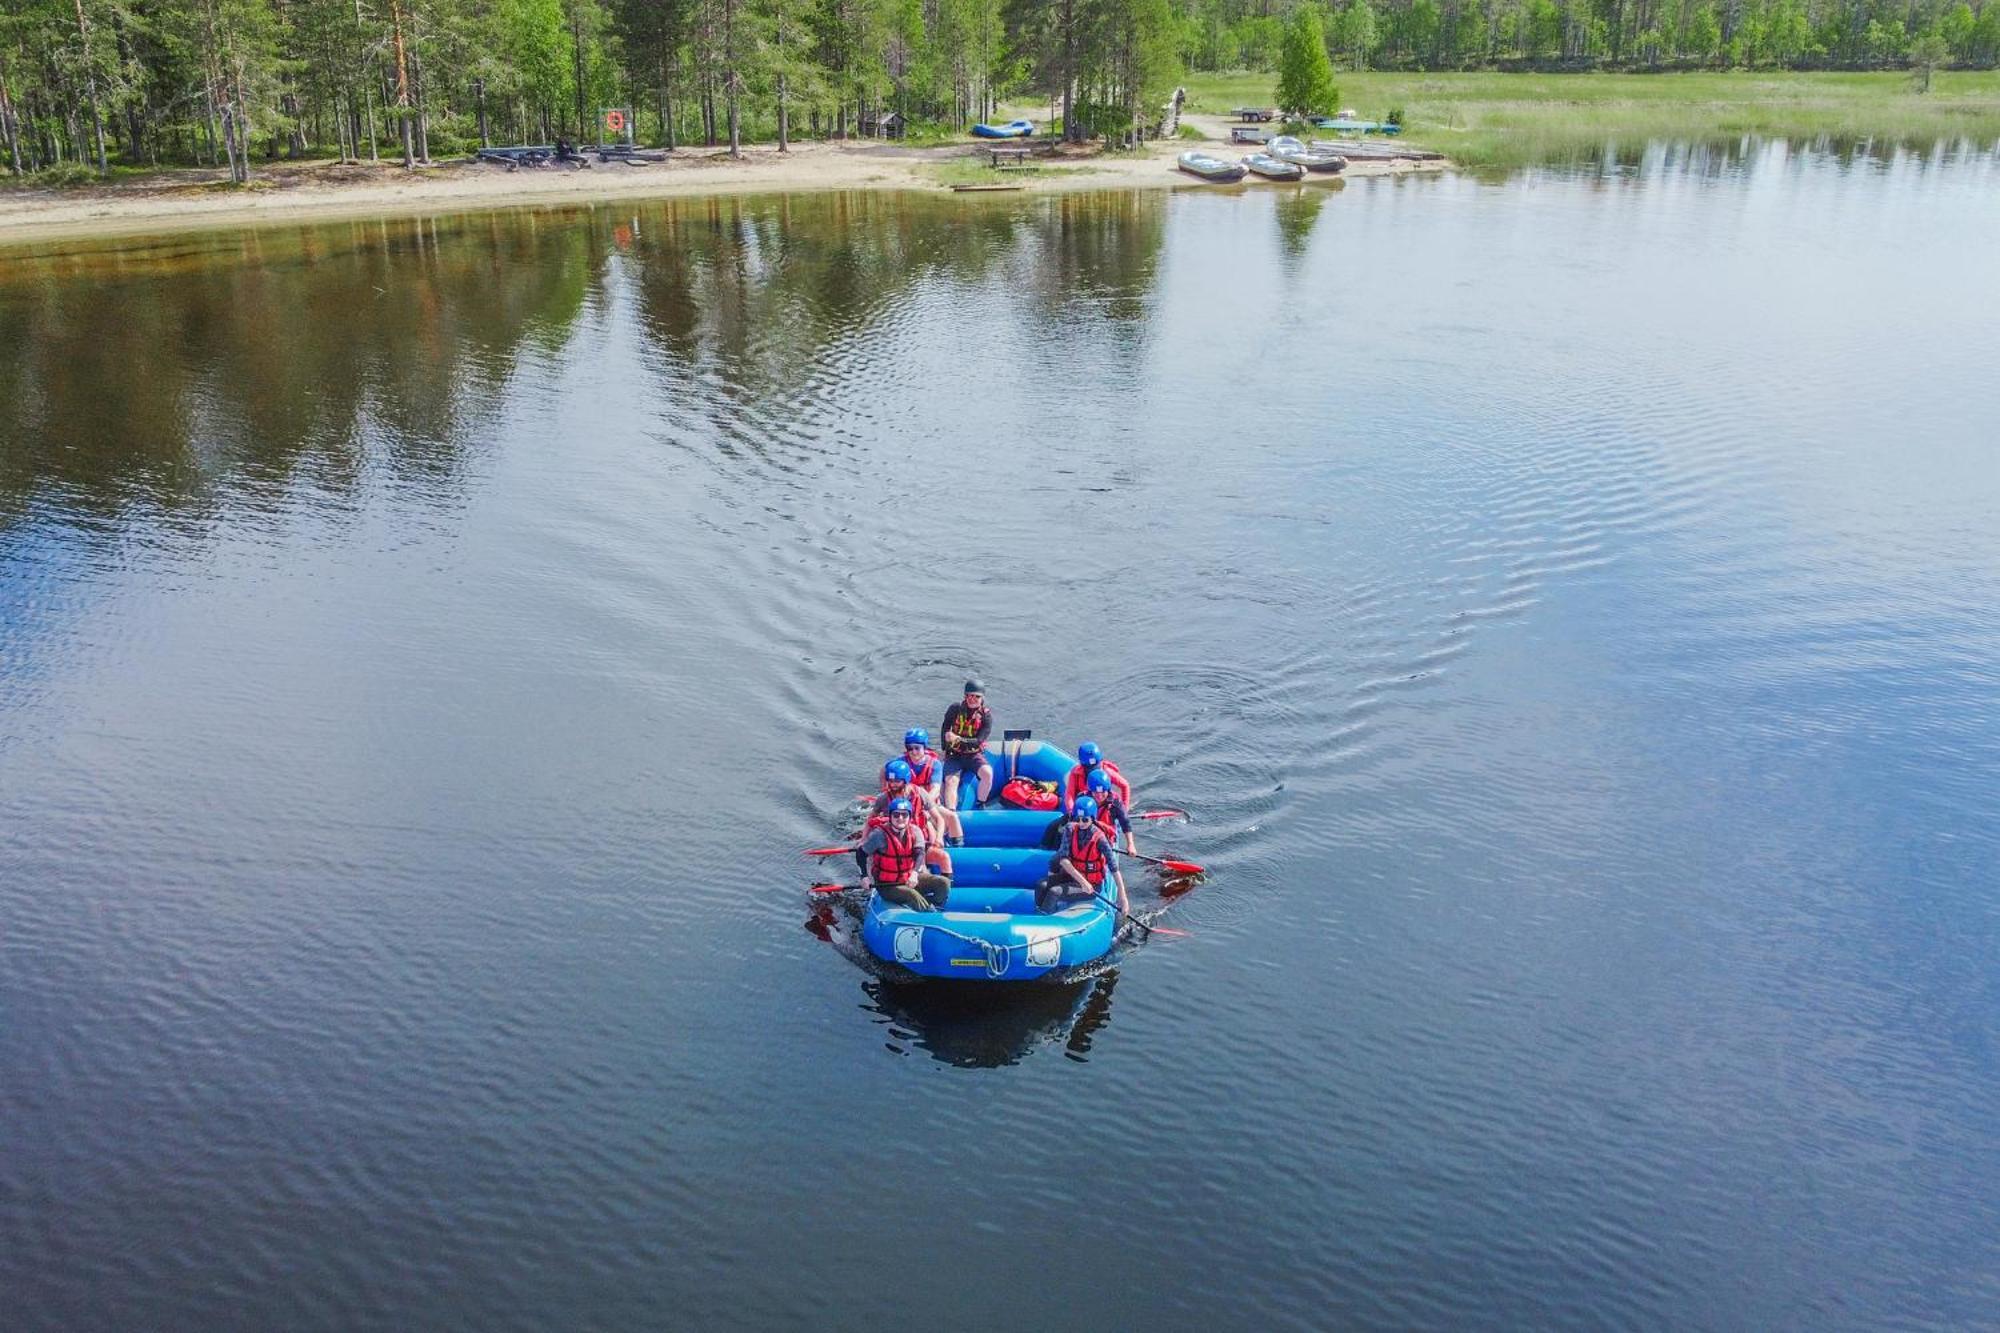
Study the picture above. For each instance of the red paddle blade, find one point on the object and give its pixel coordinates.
(829, 851)
(1161, 814)
(1181, 867)
(832, 888)
(1169, 930)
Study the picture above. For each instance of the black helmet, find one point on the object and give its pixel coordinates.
(974, 687)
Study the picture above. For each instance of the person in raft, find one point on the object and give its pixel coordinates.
(966, 727)
(927, 775)
(1084, 856)
(898, 783)
(895, 856)
(1089, 761)
(1112, 816)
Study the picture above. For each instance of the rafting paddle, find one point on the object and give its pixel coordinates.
(1149, 929)
(831, 851)
(1161, 814)
(1164, 863)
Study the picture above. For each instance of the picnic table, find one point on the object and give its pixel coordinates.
(1018, 156)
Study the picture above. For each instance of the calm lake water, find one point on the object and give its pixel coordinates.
(1569, 606)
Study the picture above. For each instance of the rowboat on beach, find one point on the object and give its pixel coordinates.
(1288, 149)
(1209, 168)
(1270, 168)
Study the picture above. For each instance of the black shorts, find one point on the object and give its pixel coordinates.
(967, 766)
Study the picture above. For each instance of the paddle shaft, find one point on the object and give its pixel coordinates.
(1149, 929)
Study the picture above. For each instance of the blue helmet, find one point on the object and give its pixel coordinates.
(1086, 809)
(900, 806)
(1089, 755)
(1098, 780)
(896, 770)
(916, 736)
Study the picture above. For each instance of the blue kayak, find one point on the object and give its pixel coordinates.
(990, 929)
(1013, 129)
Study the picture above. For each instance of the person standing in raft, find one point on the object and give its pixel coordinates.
(927, 776)
(966, 727)
(894, 853)
(898, 783)
(1090, 761)
(1084, 856)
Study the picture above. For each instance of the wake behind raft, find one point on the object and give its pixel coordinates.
(990, 929)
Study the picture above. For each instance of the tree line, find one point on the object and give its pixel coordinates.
(140, 82)
(1617, 34)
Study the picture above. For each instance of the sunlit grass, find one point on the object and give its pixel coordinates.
(1516, 119)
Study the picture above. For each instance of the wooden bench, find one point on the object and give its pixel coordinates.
(1018, 156)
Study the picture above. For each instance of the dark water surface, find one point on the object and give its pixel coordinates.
(1568, 606)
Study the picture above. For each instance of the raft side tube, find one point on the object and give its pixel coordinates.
(987, 946)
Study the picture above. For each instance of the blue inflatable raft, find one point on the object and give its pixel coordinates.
(1013, 129)
(990, 929)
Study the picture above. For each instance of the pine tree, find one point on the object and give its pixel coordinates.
(1305, 75)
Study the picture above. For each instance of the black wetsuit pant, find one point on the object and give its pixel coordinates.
(1058, 891)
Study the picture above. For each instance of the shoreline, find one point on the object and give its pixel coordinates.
(301, 193)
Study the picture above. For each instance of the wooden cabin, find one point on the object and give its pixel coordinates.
(882, 125)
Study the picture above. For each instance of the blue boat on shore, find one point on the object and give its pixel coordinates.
(990, 929)
(1013, 129)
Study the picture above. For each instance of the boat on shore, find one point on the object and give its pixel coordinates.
(1270, 168)
(1286, 148)
(990, 928)
(1208, 167)
(1013, 129)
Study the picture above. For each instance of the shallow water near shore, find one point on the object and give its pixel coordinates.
(1567, 606)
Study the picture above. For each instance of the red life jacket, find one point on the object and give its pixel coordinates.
(919, 777)
(919, 809)
(1078, 783)
(1086, 852)
(897, 860)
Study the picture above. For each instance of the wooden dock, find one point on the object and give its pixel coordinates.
(1354, 150)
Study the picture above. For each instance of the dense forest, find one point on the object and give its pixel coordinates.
(96, 83)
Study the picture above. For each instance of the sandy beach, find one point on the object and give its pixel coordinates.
(310, 191)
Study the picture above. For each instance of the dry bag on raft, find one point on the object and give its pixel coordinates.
(1023, 794)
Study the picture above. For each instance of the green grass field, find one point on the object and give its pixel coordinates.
(1492, 119)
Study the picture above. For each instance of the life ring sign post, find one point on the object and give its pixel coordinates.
(616, 124)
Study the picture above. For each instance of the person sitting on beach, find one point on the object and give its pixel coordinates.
(1084, 856)
(893, 857)
(966, 727)
(1089, 760)
(897, 785)
(927, 775)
